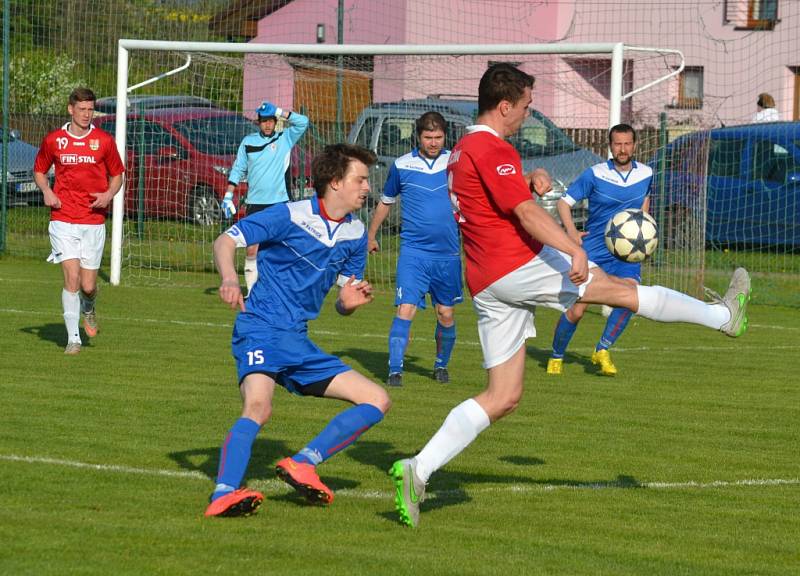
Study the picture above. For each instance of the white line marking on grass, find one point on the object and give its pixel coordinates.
(276, 486)
(472, 343)
(104, 467)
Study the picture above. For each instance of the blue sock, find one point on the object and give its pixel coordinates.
(563, 334)
(445, 340)
(615, 325)
(343, 430)
(398, 340)
(234, 456)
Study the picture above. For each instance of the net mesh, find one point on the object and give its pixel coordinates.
(734, 51)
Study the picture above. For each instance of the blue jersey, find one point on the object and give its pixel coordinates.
(300, 256)
(608, 191)
(263, 160)
(429, 227)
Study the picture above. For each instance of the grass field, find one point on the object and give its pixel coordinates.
(685, 463)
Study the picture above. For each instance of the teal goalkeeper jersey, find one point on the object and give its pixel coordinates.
(263, 162)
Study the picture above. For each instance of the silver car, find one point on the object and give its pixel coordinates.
(22, 190)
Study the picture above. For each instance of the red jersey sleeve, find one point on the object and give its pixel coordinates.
(500, 168)
(44, 158)
(112, 160)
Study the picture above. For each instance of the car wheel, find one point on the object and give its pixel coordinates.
(204, 208)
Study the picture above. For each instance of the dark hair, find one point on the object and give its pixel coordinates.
(333, 162)
(431, 121)
(500, 82)
(765, 101)
(81, 95)
(621, 129)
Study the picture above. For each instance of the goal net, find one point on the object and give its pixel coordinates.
(179, 157)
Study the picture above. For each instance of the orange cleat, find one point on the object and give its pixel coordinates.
(241, 502)
(304, 479)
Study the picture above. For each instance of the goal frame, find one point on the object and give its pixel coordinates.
(126, 46)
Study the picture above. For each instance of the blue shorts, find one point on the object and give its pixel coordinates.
(418, 276)
(288, 356)
(620, 269)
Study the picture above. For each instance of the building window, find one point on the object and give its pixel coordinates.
(751, 14)
(690, 88)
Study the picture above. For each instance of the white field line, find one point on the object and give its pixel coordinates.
(382, 336)
(278, 486)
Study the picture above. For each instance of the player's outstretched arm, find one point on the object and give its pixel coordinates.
(224, 259)
(353, 294)
(539, 181)
(565, 212)
(378, 216)
(539, 224)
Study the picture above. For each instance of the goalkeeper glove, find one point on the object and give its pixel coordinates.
(228, 207)
(268, 109)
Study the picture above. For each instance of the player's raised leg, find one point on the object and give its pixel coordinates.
(371, 403)
(729, 315)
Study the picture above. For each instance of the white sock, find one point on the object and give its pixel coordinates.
(250, 272)
(666, 305)
(71, 302)
(459, 429)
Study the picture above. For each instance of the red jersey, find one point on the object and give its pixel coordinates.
(486, 184)
(83, 166)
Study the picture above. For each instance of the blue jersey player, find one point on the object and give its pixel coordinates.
(429, 260)
(610, 187)
(305, 248)
(262, 159)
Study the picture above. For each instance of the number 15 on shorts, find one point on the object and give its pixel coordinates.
(255, 357)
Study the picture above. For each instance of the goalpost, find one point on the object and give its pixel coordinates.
(583, 88)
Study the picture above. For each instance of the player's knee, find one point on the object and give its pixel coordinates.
(446, 317)
(257, 410)
(382, 402)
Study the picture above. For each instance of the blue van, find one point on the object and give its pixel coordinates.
(752, 183)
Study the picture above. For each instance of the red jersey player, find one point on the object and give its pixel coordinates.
(518, 257)
(88, 175)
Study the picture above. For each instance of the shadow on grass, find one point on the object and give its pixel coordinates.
(451, 488)
(263, 457)
(377, 363)
(55, 333)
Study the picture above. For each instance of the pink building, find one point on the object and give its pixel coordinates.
(733, 49)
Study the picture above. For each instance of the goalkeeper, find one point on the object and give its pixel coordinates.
(263, 158)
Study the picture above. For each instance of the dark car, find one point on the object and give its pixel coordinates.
(178, 160)
(743, 180)
(22, 189)
(108, 105)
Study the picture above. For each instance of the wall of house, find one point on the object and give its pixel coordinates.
(737, 64)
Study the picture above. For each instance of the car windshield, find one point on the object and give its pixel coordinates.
(216, 135)
(540, 137)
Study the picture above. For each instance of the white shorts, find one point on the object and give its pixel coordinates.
(506, 307)
(77, 241)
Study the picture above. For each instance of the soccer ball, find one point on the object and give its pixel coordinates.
(631, 235)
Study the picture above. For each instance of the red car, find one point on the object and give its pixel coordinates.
(178, 161)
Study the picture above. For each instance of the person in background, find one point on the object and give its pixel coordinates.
(766, 109)
(610, 187)
(430, 251)
(89, 173)
(262, 159)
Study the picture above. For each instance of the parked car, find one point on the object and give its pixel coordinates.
(388, 130)
(108, 105)
(178, 160)
(21, 189)
(750, 176)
